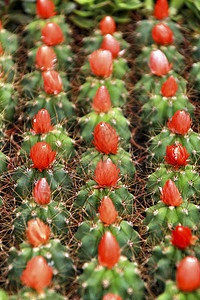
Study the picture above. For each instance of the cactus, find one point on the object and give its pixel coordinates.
(172, 292)
(187, 180)
(93, 42)
(90, 233)
(8, 42)
(89, 198)
(163, 261)
(96, 281)
(171, 53)
(195, 75)
(143, 32)
(53, 251)
(196, 46)
(90, 158)
(151, 84)
(33, 29)
(116, 89)
(160, 218)
(114, 116)
(54, 214)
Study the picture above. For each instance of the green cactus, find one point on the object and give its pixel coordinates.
(123, 279)
(187, 181)
(159, 143)
(8, 100)
(164, 259)
(143, 31)
(53, 214)
(172, 292)
(3, 295)
(150, 84)
(93, 42)
(196, 46)
(33, 29)
(8, 67)
(56, 255)
(33, 84)
(9, 42)
(158, 109)
(57, 177)
(89, 198)
(3, 163)
(89, 234)
(57, 138)
(30, 294)
(195, 75)
(160, 218)
(116, 88)
(171, 53)
(114, 116)
(120, 68)
(64, 54)
(91, 157)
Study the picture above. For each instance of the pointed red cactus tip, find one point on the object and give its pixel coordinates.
(105, 138)
(110, 43)
(45, 58)
(107, 25)
(42, 122)
(180, 123)
(37, 232)
(182, 237)
(161, 10)
(37, 274)
(52, 82)
(101, 63)
(109, 251)
(169, 87)
(112, 297)
(162, 34)
(170, 194)
(45, 9)
(108, 214)
(52, 34)
(188, 274)
(159, 64)
(42, 155)
(177, 155)
(106, 174)
(101, 100)
(42, 192)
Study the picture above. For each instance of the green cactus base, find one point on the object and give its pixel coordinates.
(157, 111)
(3, 163)
(8, 101)
(33, 29)
(159, 143)
(143, 31)
(91, 157)
(114, 116)
(9, 42)
(173, 293)
(160, 219)
(93, 42)
(151, 84)
(57, 177)
(164, 259)
(33, 84)
(57, 138)
(89, 199)
(171, 53)
(195, 75)
(116, 88)
(196, 46)
(54, 215)
(120, 69)
(89, 234)
(187, 181)
(64, 54)
(8, 67)
(97, 281)
(30, 294)
(56, 255)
